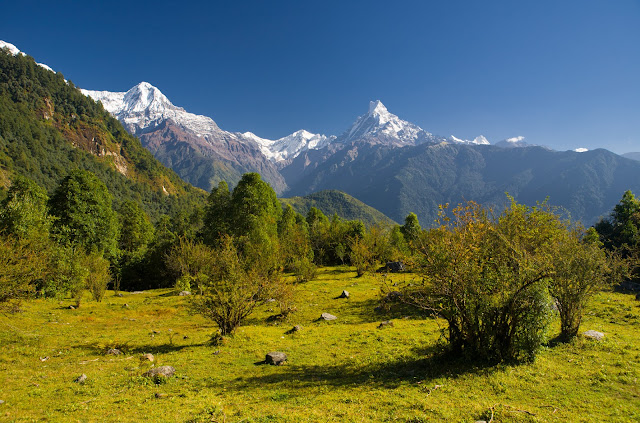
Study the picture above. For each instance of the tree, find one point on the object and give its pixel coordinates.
(622, 228)
(411, 228)
(217, 215)
(21, 265)
(136, 232)
(23, 212)
(84, 216)
(581, 267)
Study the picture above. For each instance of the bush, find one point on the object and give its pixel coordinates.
(487, 278)
(229, 288)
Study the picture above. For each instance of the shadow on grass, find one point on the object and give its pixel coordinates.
(101, 348)
(391, 374)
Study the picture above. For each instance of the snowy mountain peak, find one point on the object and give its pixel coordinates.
(144, 106)
(381, 126)
(376, 108)
(479, 140)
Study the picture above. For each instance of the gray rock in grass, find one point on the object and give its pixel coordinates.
(593, 334)
(81, 379)
(160, 372)
(275, 358)
(327, 316)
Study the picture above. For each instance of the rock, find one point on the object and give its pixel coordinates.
(1, 402)
(393, 267)
(147, 357)
(385, 324)
(296, 328)
(271, 300)
(119, 295)
(137, 292)
(593, 334)
(345, 294)
(327, 316)
(184, 293)
(275, 358)
(393, 296)
(161, 395)
(71, 307)
(125, 305)
(185, 337)
(160, 372)
(81, 379)
(155, 332)
(113, 351)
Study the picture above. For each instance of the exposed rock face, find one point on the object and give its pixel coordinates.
(275, 358)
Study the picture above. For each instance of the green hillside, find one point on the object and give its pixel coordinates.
(340, 203)
(48, 128)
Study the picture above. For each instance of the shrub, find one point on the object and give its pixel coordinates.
(487, 278)
(229, 288)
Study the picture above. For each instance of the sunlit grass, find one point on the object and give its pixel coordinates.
(346, 370)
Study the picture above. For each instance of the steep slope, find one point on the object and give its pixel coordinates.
(47, 127)
(417, 179)
(192, 145)
(332, 202)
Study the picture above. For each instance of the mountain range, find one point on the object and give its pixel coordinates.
(382, 160)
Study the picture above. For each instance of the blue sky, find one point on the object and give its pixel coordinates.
(561, 73)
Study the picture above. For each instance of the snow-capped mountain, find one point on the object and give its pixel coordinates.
(291, 146)
(384, 127)
(144, 106)
(513, 142)
(479, 140)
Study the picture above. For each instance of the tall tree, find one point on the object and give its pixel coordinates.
(82, 206)
(23, 212)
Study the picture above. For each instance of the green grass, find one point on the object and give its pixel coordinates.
(341, 371)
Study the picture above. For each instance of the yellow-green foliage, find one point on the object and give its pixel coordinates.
(345, 370)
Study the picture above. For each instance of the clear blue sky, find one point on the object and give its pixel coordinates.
(561, 73)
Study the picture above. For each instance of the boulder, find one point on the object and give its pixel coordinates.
(1, 402)
(161, 395)
(395, 266)
(81, 379)
(345, 294)
(184, 293)
(275, 358)
(327, 317)
(160, 372)
(593, 334)
(113, 351)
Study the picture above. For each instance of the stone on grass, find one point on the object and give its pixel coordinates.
(184, 293)
(385, 324)
(345, 294)
(147, 357)
(71, 307)
(120, 295)
(275, 358)
(1, 402)
(81, 379)
(593, 334)
(160, 372)
(113, 351)
(296, 328)
(327, 316)
(161, 395)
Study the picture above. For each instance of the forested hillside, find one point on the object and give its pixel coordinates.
(336, 202)
(48, 128)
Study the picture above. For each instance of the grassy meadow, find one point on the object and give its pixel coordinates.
(345, 370)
